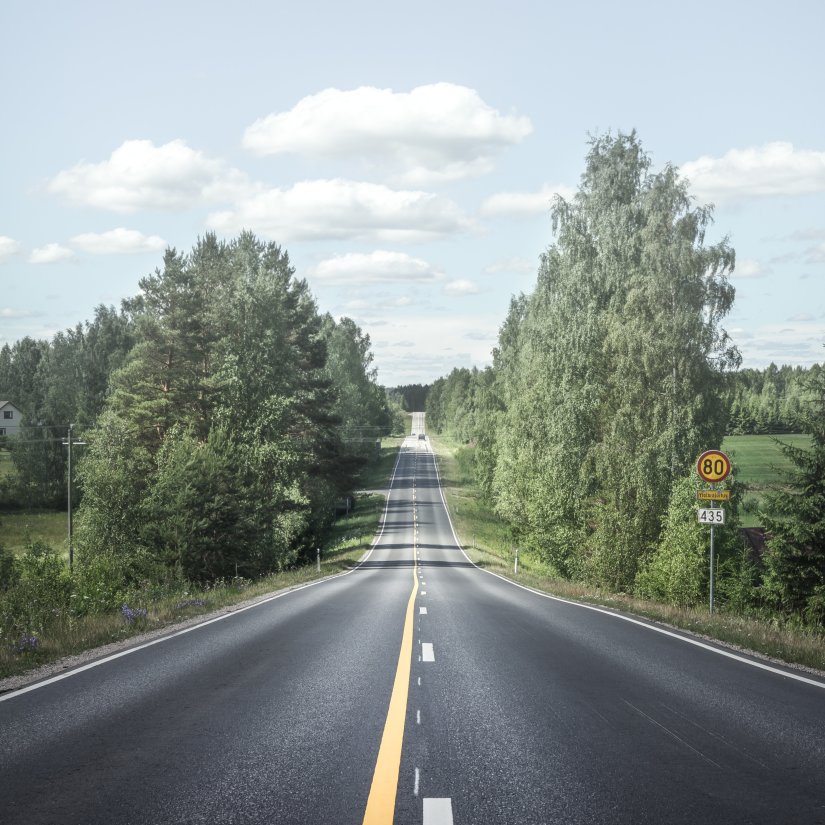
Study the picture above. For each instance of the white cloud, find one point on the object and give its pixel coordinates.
(750, 269)
(442, 341)
(816, 254)
(381, 266)
(793, 342)
(802, 317)
(140, 175)
(761, 171)
(485, 335)
(8, 312)
(8, 248)
(436, 132)
(510, 265)
(343, 209)
(52, 253)
(461, 286)
(118, 241)
(524, 204)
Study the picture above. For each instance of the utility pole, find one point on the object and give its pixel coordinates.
(69, 441)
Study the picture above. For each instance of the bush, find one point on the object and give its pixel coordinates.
(42, 593)
(101, 584)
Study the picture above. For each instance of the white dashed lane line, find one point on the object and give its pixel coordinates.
(427, 654)
(438, 811)
(422, 611)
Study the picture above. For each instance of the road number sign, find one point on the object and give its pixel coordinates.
(711, 516)
(713, 466)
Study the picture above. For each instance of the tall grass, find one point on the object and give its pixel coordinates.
(17, 529)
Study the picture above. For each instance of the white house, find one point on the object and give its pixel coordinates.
(10, 418)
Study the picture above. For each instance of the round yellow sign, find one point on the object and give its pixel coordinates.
(713, 466)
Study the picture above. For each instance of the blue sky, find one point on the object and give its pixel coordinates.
(404, 154)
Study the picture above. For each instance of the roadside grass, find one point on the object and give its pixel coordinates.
(351, 537)
(488, 542)
(6, 465)
(17, 529)
(759, 464)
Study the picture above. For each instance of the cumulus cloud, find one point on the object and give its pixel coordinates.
(524, 204)
(343, 209)
(51, 253)
(761, 171)
(381, 266)
(118, 241)
(461, 286)
(750, 269)
(8, 248)
(436, 132)
(139, 175)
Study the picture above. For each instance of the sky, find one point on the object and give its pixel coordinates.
(405, 155)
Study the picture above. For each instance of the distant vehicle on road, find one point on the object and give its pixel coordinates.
(421, 437)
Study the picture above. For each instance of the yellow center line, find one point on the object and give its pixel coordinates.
(381, 801)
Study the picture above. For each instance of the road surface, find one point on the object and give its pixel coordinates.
(417, 688)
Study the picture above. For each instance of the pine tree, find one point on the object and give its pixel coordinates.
(795, 521)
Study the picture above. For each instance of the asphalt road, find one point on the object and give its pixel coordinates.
(505, 707)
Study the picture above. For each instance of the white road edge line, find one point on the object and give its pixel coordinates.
(438, 811)
(662, 630)
(60, 676)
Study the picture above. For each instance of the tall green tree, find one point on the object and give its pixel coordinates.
(615, 383)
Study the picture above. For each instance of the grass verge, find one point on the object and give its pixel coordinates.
(68, 635)
(17, 529)
(488, 542)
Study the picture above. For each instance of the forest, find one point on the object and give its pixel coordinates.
(218, 417)
(611, 377)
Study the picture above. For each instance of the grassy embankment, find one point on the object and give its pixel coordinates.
(351, 536)
(488, 542)
(17, 528)
(759, 462)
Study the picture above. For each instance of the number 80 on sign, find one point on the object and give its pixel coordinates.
(713, 466)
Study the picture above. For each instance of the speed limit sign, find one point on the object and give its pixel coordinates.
(713, 466)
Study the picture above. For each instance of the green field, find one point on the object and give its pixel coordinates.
(6, 466)
(758, 462)
(18, 529)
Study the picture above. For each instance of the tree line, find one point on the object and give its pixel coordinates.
(611, 377)
(223, 414)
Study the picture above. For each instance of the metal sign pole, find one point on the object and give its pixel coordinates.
(711, 568)
(711, 561)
